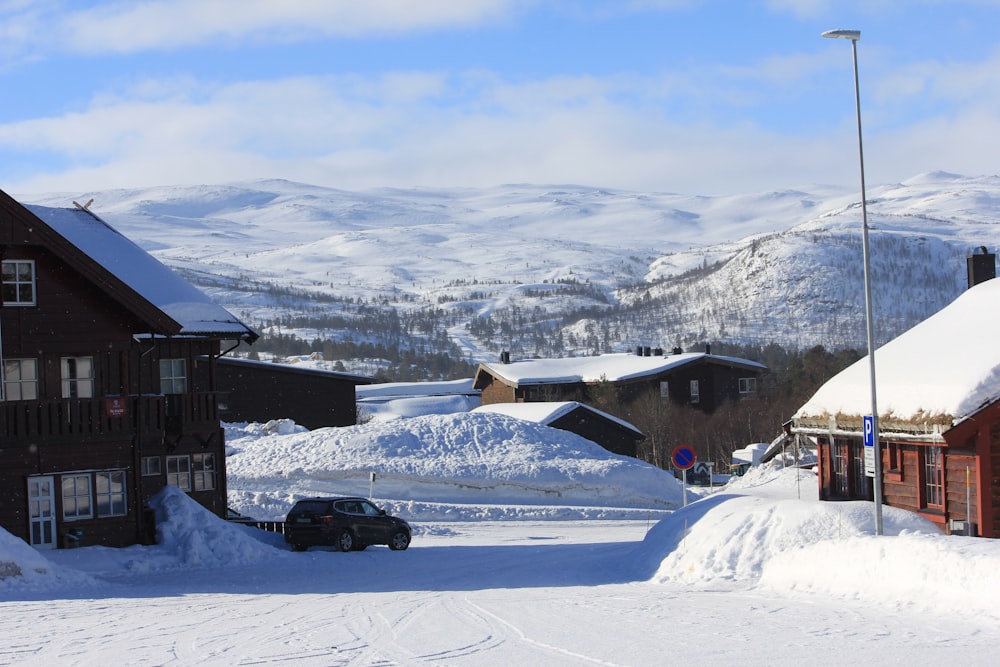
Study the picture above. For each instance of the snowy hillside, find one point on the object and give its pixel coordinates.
(563, 270)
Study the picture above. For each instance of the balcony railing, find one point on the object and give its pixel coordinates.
(49, 420)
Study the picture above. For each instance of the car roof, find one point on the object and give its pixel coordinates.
(327, 499)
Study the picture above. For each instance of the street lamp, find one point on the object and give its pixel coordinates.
(854, 36)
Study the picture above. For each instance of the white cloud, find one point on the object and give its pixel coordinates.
(131, 27)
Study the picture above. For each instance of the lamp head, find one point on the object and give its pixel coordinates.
(853, 35)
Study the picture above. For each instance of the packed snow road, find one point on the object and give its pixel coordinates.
(465, 593)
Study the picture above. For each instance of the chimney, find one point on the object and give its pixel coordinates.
(645, 351)
(638, 350)
(708, 349)
(505, 357)
(678, 350)
(981, 267)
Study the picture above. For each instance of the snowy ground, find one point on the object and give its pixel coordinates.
(757, 573)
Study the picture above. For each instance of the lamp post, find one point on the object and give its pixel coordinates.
(854, 36)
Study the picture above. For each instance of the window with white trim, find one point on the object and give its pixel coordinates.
(179, 472)
(77, 377)
(748, 385)
(695, 392)
(933, 477)
(150, 466)
(109, 489)
(20, 380)
(173, 376)
(76, 497)
(203, 471)
(18, 282)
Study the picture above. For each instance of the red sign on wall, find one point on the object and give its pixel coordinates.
(114, 407)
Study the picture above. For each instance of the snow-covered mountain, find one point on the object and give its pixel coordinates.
(562, 270)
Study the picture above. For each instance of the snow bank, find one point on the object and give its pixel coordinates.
(758, 531)
(25, 569)
(461, 459)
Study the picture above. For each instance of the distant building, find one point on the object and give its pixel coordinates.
(610, 432)
(938, 394)
(109, 388)
(259, 391)
(698, 379)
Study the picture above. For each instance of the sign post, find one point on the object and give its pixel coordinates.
(683, 458)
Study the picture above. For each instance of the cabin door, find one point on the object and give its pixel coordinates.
(42, 512)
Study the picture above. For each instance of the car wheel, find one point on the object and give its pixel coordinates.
(399, 540)
(345, 541)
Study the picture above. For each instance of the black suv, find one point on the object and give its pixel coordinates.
(350, 524)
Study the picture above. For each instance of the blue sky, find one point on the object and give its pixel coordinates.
(697, 97)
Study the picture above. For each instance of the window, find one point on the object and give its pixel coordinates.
(18, 283)
(841, 476)
(150, 466)
(20, 380)
(77, 377)
(933, 478)
(748, 385)
(695, 392)
(173, 376)
(76, 497)
(179, 472)
(110, 491)
(203, 471)
(664, 390)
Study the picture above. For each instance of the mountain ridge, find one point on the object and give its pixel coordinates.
(555, 270)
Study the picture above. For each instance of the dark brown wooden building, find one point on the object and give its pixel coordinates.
(700, 379)
(258, 391)
(109, 381)
(610, 432)
(938, 396)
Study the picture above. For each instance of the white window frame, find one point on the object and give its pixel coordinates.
(179, 472)
(748, 385)
(173, 376)
(20, 380)
(77, 375)
(203, 471)
(110, 494)
(695, 391)
(77, 502)
(18, 278)
(151, 466)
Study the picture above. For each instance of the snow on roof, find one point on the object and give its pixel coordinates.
(546, 412)
(946, 366)
(151, 279)
(606, 367)
(390, 390)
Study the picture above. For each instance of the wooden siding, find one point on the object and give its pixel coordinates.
(256, 392)
(77, 315)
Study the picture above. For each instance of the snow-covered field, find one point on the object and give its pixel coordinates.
(530, 547)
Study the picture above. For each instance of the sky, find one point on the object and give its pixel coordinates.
(690, 96)
(530, 546)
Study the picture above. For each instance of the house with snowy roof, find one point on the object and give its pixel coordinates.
(613, 434)
(109, 381)
(699, 379)
(938, 398)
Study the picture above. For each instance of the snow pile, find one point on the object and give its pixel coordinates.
(757, 531)
(191, 536)
(421, 462)
(23, 568)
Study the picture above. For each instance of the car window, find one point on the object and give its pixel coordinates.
(369, 509)
(310, 507)
(349, 507)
